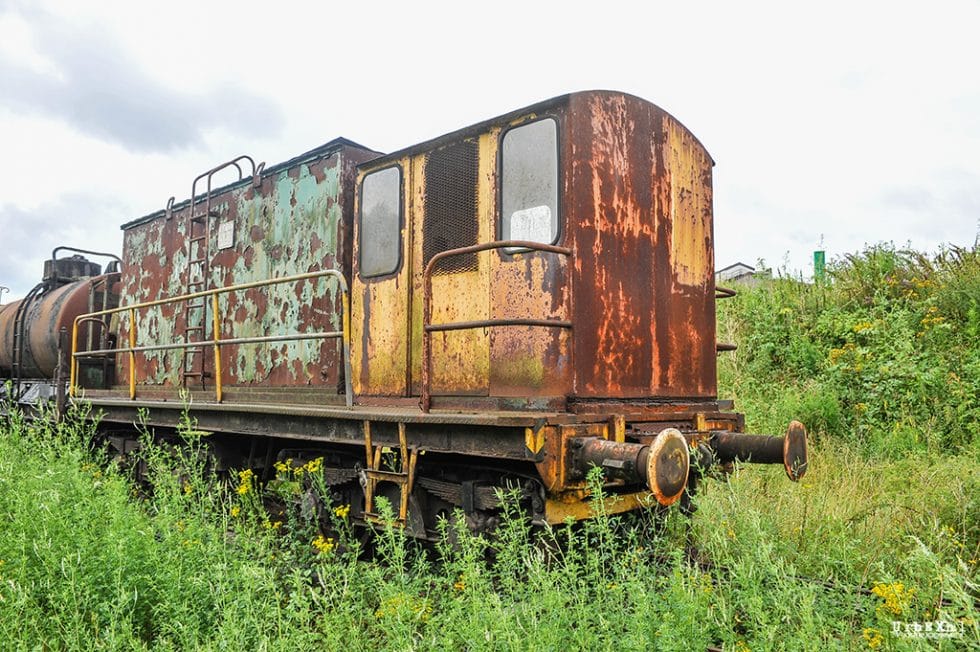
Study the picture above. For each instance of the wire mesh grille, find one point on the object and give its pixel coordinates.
(451, 219)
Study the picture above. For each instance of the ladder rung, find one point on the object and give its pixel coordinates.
(373, 517)
(200, 217)
(387, 476)
(194, 328)
(198, 238)
(199, 374)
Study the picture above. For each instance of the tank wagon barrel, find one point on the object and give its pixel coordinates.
(517, 303)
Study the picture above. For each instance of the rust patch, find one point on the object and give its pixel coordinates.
(636, 181)
(293, 223)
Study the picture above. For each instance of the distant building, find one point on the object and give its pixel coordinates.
(741, 273)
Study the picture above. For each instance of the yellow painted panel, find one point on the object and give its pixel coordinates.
(690, 248)
(379, 316)
(460, 359)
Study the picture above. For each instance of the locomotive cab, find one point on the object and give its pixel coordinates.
(611, 297)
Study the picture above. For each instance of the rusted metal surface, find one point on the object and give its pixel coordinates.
(724, 293)
(530, 360)
(428, 327)
(197, 277)
(380, 309)
(558, 511)
(291, 219)
(44, 319)
(789, 450)
(460, 359)
(636, 209)
(218, 336)
(662, 465)
(638, 206)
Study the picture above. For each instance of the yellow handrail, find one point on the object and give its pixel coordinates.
(216, 342)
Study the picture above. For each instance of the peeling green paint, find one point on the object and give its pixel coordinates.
(291, 226)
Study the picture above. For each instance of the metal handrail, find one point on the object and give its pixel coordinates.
(724, 293)
(216, 342)
(427, 328)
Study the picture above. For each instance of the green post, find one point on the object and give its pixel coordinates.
(819, 267)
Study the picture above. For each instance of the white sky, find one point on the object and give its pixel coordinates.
(831, 127)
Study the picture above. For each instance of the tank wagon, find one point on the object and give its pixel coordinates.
(506, 306)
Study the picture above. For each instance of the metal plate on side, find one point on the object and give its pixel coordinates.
(226, 235)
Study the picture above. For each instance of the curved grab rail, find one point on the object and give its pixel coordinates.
(724, 293)
(54, 254)
(218, 168)
(427, 327)
(216, 342)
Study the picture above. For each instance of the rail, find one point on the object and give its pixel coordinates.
(217, 342)
(428, 327)
(724, 293)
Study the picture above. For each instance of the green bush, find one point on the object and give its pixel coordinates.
(884, 355)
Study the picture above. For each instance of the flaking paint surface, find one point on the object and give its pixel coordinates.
(639, 206)
(379, 313)
(291, 225)
(460, 359)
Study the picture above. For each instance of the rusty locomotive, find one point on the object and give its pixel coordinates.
(508, 305)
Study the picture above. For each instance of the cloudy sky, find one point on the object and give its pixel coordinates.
(831, 127)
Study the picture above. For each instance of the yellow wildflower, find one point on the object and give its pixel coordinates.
(323, 544)
(188, 488)
(873, 637)
(245, 481)
(235, 511)
(313, 465)
(283, 467)
(341, 511)
(896, 597)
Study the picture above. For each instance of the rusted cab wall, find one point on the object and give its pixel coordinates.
(639, 216)
(635, 208)
(297, 221)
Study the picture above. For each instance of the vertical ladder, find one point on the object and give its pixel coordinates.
(374, 474)
(197, 276)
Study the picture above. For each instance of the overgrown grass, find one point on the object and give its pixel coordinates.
(90, 561)
(884, 356)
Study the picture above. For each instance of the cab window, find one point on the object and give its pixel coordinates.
(529, 184)
(380, 227)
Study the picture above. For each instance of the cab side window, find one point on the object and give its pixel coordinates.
(380, 227)
(529, 185)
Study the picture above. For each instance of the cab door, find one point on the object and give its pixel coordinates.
(381, 284)
(452, 207)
